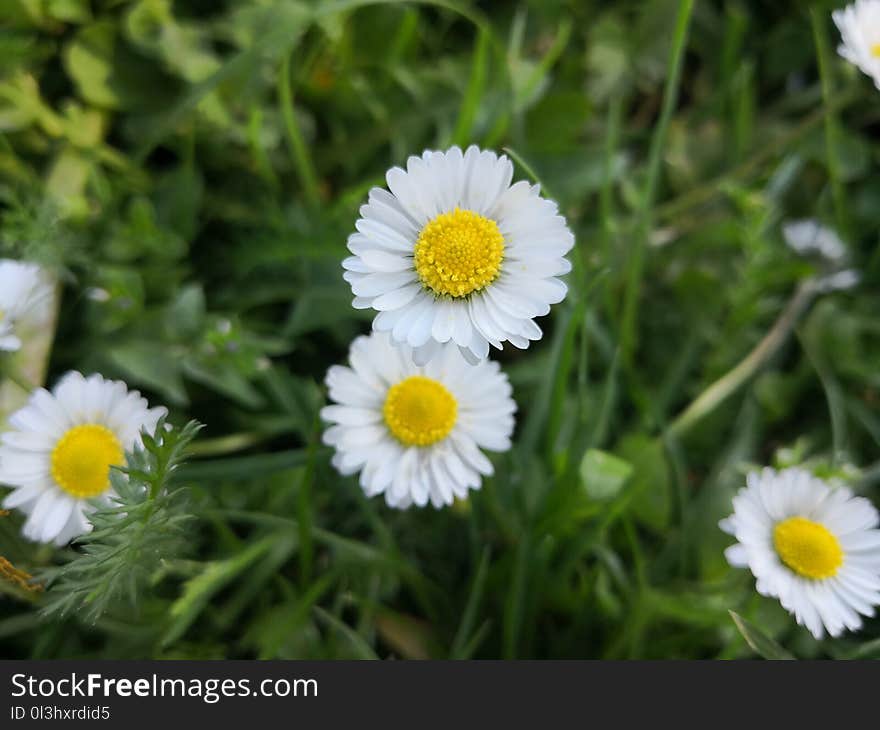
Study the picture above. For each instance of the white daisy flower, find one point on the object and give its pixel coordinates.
(24, 288)
(456, 253)
(839, 281)
(807, 237)
(814, 547)
(59, 453)
(859, 26)
(416, 433)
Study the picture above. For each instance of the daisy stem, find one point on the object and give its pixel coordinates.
(529, 170)
(729, 383)
(645, 217)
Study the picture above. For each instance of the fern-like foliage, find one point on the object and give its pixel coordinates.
(144, 525)
(32, 229)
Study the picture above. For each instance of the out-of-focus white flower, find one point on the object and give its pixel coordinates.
(814, 547)
(416, 434)
(859, 26)
(24, 291)
(454, 252)
(811, 237)
(98, 294)
(839, 281)
(61, 447)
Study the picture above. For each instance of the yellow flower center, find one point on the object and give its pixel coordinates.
(807, 547)
(419, 411)
(875, 50)
(82, 458)
(458, 253)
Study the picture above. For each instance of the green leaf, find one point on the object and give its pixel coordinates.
(146, 364)
(556, 122)
(178, 200)
(278, 29)
(67, 180)
(652, 498)
(410, 637)
(760, 643)
(88, 61)
(109, 75)
(243, 467)
(865, 650)
(186, 313)
(465, 635)
(143, 525)
(603, 474)
(183, 49)
(360, 647)
(198, 591)
(223, 377)
(68, 11)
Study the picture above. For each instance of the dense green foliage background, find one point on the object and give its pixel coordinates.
(192, 169)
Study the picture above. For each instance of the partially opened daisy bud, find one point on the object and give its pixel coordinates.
(814, 547)
(24, 290)
(59, 453)
(415, 433)
(859, 26)
(455, 253)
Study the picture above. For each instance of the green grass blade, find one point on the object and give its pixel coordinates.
(628, 327)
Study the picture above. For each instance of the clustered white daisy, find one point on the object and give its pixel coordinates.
(813, 546)
(859, 26)
(58, 453)
(453, 258)
(415, 433)
(455, 253)
(24, 290)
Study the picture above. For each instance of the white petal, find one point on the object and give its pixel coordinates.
(398, 298)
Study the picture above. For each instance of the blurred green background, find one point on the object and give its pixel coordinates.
(191, 171)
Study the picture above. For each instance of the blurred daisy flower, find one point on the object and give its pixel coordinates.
(58, 455)
(811, 238)
(808, 237)
(859, 26)
(24, 290)
(416, 433)
(454, 252)
(814, 547)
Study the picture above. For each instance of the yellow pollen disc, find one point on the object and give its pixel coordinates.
(807, 547)
(458, 253)
(875, 50)
(82, 458)
(419, 411)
